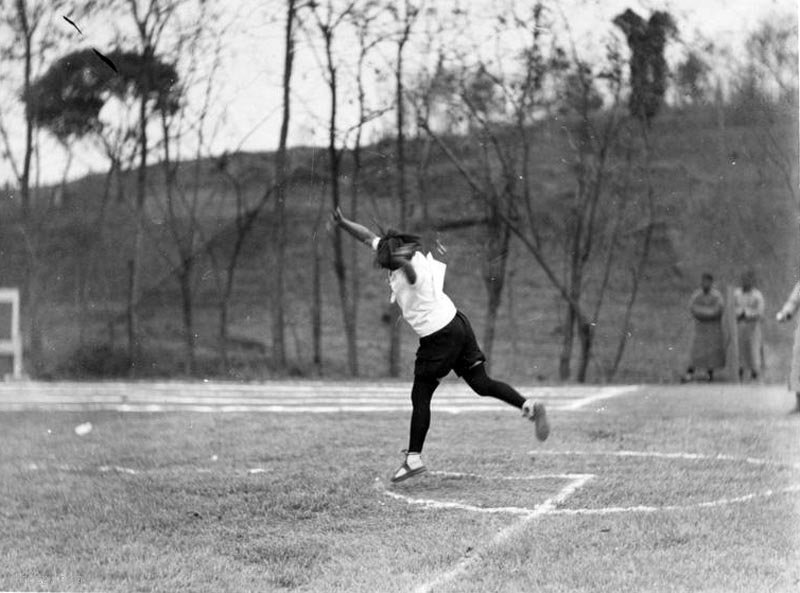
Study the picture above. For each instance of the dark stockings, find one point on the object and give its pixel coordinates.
(422, 393)
(484, 385)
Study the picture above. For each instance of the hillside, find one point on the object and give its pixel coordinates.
(721, 207)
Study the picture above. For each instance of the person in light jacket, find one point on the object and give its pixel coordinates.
(749, 307)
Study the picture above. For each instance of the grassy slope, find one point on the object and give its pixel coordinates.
(721, 215)
(193, 518)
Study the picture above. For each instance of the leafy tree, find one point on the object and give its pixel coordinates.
(648, 67)
(692, 77)
(67, 99)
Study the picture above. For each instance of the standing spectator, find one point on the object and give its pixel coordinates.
(749, 307)
(708, 349)
(785, 314)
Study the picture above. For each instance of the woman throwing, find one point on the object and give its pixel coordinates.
(446, 339)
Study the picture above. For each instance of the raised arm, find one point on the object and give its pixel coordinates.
(358, 231)
(791, 306)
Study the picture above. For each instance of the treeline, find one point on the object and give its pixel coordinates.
(148, 102)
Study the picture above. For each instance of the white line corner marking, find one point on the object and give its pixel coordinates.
(576, 481)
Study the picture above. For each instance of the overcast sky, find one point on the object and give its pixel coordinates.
(249, 92)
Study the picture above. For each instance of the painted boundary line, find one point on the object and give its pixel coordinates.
(227, 409)
(580, 479)
(603, 393)
(549, 506)
(576, 482)
(661, 455)
(319, 398)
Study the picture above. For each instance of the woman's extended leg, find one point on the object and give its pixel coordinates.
(484, 385)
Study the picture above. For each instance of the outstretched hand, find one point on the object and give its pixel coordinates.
(335, 220)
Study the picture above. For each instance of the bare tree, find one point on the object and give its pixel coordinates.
(32, 35)
(225, 257)
(151, 19)
(327, 22)
(590, 237)
(490, 101)
(770, 74)
(648, 81)
(405, 15)
(27, 37)
(279, 212)
(365, 20)
(185, 202)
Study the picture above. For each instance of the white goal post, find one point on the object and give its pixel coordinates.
(10, 336)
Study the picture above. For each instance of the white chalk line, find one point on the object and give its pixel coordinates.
(450, 387)
(511, 510)
(315, 398)
(605, 393)
(663, 455)
(117, 469)
(667, 508)
(579, 480)
(298, 408)
(276, 409)
(576, 482)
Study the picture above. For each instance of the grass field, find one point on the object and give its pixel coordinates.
(691, 488)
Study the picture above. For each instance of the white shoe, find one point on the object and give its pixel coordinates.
(535, 412)
(412, 466)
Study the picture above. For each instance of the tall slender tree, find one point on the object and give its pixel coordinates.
(279, 211)
(28, 36)
(328, 21)
(151, 19)
(405, 14)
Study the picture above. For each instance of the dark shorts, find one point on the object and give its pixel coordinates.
(452, 348)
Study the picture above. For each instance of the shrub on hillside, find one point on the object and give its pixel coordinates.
(96, 361)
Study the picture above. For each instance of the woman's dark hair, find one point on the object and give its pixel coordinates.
(390, 242)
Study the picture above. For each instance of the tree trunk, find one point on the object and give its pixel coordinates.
(395, 337)
(82, 279)
(422, 179)
(185, 281)
(341, 277)
(131, 318)
(224, 313)
(586, 341)
(494, 273)
(355, 277)
(135, 261)
(29, 292)
(512, 315)
(279, 259)
(339, 268)
(316, 307)
(568, 337)
(25, 181)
